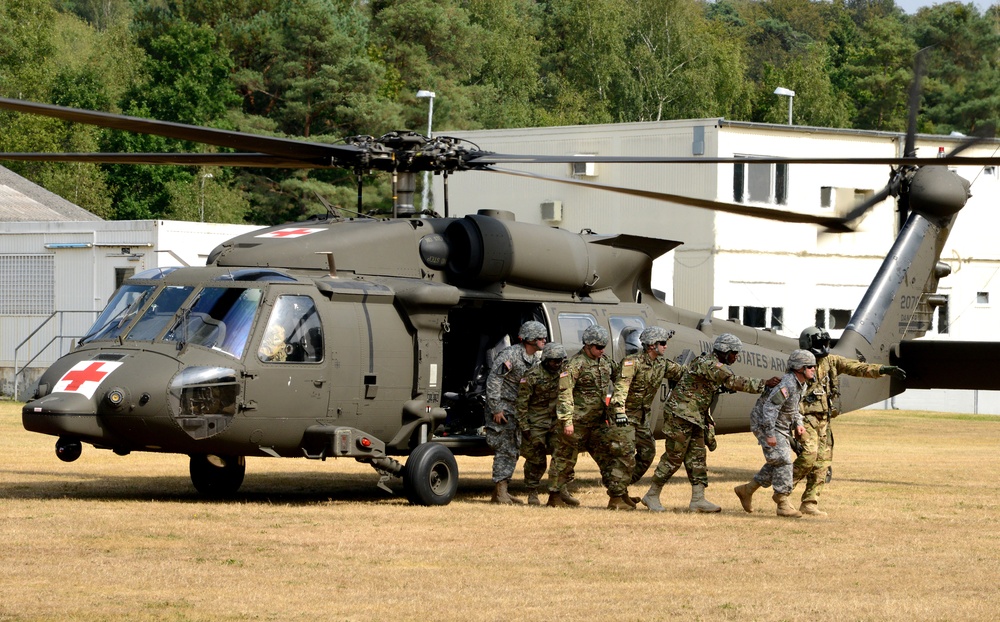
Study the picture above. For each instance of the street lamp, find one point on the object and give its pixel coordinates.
(429, 96)
(201, 197)
(790, 94)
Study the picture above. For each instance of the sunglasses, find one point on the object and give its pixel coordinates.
(597, 347)
(661, 343)
(810, 367)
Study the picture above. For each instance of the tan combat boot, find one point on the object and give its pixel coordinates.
(618, 503)
(811, 508)
(745, 493)
(568, 498)
(533, 497)
(502, 496)
(652, 498)
(556, 501)
(784, 507)
(631, 501)
(699, 503)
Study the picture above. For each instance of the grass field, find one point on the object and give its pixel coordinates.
(913, 534)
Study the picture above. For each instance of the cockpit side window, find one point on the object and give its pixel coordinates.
(159, 313)
(121, 310)
(294, 333)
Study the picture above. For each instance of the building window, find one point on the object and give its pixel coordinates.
(734, 313)
(820, 318)
(760, 183)
(982, 298)
(834, 319)
(121, 274)
(757, 317)
(942, 318)
(27, 284)
(777, 321)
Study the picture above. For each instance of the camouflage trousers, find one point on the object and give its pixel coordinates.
(645, 446)
(611, 447)
(537, 442)
(504, 439)
(777, 469)
(816, 456)
(685, 444)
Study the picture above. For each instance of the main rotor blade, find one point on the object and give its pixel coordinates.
(292, 149)
(831, 223)
(258, 160)
(890, 190)
(503, 158)
(913, 103)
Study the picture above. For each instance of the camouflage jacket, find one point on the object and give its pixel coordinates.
(501, 385)
(822, 393)
(701, 380)
(583, 386)
(637, 380)
(536, 398)
(777, 409)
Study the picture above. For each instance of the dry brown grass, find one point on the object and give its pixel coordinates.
(912, 534)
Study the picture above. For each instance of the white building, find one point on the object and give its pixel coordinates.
(59, 264)
(764, 274)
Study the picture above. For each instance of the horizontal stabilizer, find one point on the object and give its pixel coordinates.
(950, 364)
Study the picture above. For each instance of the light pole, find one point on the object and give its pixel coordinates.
(790, 94)
(201, 197)
(429, 96)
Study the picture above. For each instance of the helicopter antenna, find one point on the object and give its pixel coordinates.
(330, 210)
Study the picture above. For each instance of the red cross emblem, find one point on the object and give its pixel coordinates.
(85, 377)
(289, 233)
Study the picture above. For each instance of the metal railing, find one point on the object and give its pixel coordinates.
(59, 337)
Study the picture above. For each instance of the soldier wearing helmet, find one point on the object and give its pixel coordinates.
(820, 403)
(505, 375)
(537, 395)
(637, 381)
(582, 412)
(686, 420)
(773, 419)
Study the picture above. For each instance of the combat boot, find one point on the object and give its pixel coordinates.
(811, 508)
(556, 501)
(502, 496)
(619, 503)
(631, 501)
(784, 507)
(652, 498)
(568, 498)
(699, 503)
(533, 497)
(745, 493)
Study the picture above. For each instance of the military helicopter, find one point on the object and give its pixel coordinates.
(369, 339)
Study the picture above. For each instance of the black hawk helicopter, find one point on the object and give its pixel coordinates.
(368, 339)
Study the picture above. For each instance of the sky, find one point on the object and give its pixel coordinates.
(911, 6)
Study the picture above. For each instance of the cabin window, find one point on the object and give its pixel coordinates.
(294, 333)
(625, 335)
(571, 327)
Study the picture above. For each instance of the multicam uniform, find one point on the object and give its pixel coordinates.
(583, 386)
(819, 404)
(509, 367)
(774, 414)
(537, 396)
(684, 416)
(637, 380)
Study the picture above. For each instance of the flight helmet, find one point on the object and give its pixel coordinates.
(816, 340)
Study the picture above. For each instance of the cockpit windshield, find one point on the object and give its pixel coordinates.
(220, 318)
(119, 313)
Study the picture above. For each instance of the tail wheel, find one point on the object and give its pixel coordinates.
(430, 476)
(217, 476)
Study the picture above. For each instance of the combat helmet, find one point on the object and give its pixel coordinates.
(816, 340)
(553, 350)
(727, 342)
(654, 334)
(801, 358)
(595, 336)
(532, 331)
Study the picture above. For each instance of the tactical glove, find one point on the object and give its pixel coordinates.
(892, 370)
(621, 420)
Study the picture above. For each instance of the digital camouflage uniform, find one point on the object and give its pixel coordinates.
(684, 416)
(774, 415)
(820, 402)
(536, 417)
(509, 367)
(637, 380)
(583, 386)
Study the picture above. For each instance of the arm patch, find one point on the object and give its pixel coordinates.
(778, 397)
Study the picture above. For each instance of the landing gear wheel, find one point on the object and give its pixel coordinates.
(430, 476)
(217, 476)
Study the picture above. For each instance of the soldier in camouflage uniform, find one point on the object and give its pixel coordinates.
(771, 421)
(583, 416)
(502, 433)
(638, 379)
(685, 420)
(820, 403)
(536, 416)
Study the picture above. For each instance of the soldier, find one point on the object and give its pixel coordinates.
(771, 421)
(820, 403)
(583, 416)
(638, 379)
(685, 422)
(502, 436)
(536, 416)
